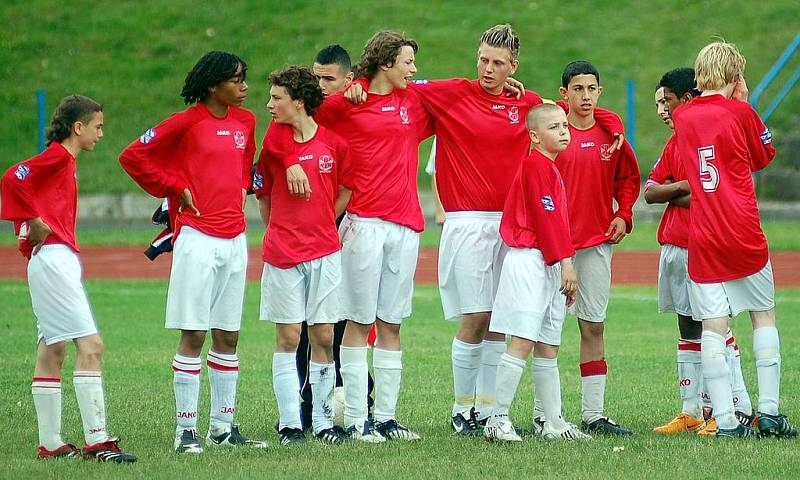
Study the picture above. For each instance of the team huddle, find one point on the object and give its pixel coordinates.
(534, 194)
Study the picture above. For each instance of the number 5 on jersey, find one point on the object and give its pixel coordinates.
(709, 176)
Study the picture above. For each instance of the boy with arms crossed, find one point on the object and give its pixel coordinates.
(594, 178)
(40, 195)
(721, 141)
(537, 274)
(200, 160)
(301, 250)
(667, 184)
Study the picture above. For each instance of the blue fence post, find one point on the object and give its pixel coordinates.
(40, 109)
(630, 131)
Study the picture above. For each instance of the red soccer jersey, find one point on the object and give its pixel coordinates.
(535, 214)
(301, 230)
(720, 143)
(43, 186)
(211, 156)
(481, 139)
(384, 135)
(674, 226)
(593, 180)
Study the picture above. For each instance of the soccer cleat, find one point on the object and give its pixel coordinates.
(775, 426)
(710, 429)
(572, 432)
(333, 436)
(107, 451)
(740, 431)
(186, 441)
(538, 425)
(682, 423)
(605, 426)
(749, 421)
(233, 438)
(292, 436)
(391, 430)
(499, 428)
(64, 451)
(367, 433)
(468, 425)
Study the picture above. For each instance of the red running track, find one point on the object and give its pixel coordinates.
(628, 267)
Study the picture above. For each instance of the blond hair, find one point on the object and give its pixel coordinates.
(502, 36)
(535, 114)
(717, 65)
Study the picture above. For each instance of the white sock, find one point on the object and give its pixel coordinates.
(491, 351)
(223, 375)
(718, 380)
(322, 377)
(47, 400)
(388, 367)
(354, 371)
(186, 383)
(466, 359)
(286, 385)
(92, 404)
(741, 398)
(767, 349)
(547, 382)
(690, 376)
(593, 389)
(509, 373)
(538, 408)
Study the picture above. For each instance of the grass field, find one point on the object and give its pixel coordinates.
(782, 235)
(133, 56)
(642, 392)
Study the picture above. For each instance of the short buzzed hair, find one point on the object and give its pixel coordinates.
(334, 55)
(535, 114)
(680, 81)
(717, 65)
(502, 36)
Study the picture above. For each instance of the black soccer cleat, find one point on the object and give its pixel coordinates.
(739, 431)
(775, 426)
(333, 436)
(605, 426)
(467, 426)
(292, 436)
(749, 421)
(107, 451)
(233, 438)
(392, 430)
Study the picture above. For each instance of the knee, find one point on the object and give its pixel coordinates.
(53, 355)
(193, 341)
(91, 349)
(592, 330)
(225, 341)
(286, 340)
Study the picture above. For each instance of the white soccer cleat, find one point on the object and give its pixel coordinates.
(500, 429)
(571, 433)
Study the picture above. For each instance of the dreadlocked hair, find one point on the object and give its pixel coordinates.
(71, 109)
(301, 84)
(212, 69)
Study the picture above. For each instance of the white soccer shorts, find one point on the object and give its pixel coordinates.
(673, 281)
(306, 292)
(471, 256)
(58, 297)
(593, 267)
(754, 293)
(379, 259)
(529, 304)
(206, 284)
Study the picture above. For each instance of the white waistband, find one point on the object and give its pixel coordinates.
(473, 215)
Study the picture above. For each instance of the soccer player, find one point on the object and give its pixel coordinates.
(40, 195)
(721, 141)
(537, 274)
(200, 160)
(667, 184)
(301, 250)
(594, 178)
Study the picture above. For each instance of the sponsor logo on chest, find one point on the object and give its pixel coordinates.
(239, 140)
(605, 153)
(512, 111)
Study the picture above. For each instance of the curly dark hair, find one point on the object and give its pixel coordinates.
(381, 51)
(301, 84)
(212, 69)
(71, 109)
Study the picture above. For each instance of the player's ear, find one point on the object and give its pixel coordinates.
(348, 79)
(686, 97)
(599, 90)
(563, 92)
(534, 137)
(514, 65)
(77, 128)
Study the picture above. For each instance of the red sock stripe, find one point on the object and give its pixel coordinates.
(595, 367)
(730, 340)
(47, 379)
(221, 368)
(690, 346)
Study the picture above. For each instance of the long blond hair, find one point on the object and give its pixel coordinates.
(717, 65)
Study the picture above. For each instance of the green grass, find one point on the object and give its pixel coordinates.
(133, 56)
(641, 393)
(782, 235)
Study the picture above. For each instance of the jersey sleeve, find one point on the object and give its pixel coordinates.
(626, 185)
(759, 141)
(345, 168)
(333, 109)
(609, 121)
(147, 158)
(21, 183)
(552, 232)
(661, 172)
(263, 175)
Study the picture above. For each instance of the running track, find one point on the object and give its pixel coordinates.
(628, 267)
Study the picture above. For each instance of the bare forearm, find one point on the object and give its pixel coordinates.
(663, 193)
(681, 201)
